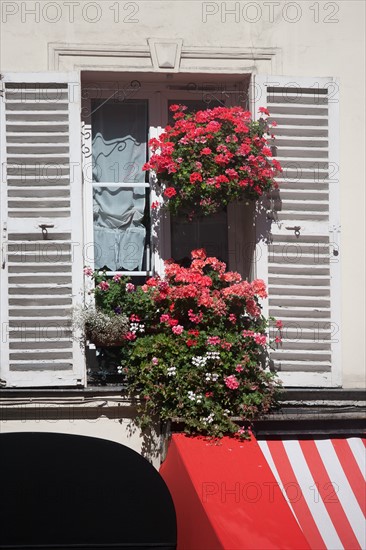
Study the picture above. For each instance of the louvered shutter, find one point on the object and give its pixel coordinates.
(41, 271)
(301, 261)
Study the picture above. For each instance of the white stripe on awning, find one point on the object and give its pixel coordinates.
(358, 450)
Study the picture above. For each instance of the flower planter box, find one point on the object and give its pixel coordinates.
(101, 343)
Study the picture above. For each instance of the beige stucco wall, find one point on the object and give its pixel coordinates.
(108, 418)
(327, 42)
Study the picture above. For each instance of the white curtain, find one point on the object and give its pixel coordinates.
(119, 151)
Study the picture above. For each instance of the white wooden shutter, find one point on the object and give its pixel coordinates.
(41, 272)
(302, 269)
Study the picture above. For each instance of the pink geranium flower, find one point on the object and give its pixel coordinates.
(231, 382)
(104, 285)
(260, 339)
(213, 340)
(199, 254)
(88, 271)
(130, 287)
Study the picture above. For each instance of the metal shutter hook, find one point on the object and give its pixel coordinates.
(44, 228)
(296, 228)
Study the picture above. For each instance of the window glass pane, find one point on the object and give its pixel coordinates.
(211, 232)
(119, 134)
(119, 149)
(119, 228)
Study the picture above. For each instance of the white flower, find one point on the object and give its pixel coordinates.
(197, 361)
(137, 327)
(211, 376)
(171, 371)
(208, 419)
(214, 355)
(191, 396)
(134, 327)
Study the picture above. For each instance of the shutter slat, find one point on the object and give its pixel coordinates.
(58, 323)
(41, 364)
(22, 106)
(295, 107)
(286, 365)
(303, 355)
(38, 126)
(37, 137)
(310, 131)
(39, 213)
(309, 345)
(29, 193)
(295, 153)
(301, 290)
(300, 194)
(308, 313)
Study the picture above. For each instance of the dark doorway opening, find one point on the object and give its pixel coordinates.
(68, 491)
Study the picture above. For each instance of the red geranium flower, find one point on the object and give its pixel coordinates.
(170, 192)
(263, 111)
(213, 147)
(195, 176)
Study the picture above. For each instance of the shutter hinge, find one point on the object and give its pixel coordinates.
(334, 230)
(3, 246)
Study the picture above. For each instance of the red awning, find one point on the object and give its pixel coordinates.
(225, 499)
(267, 494)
